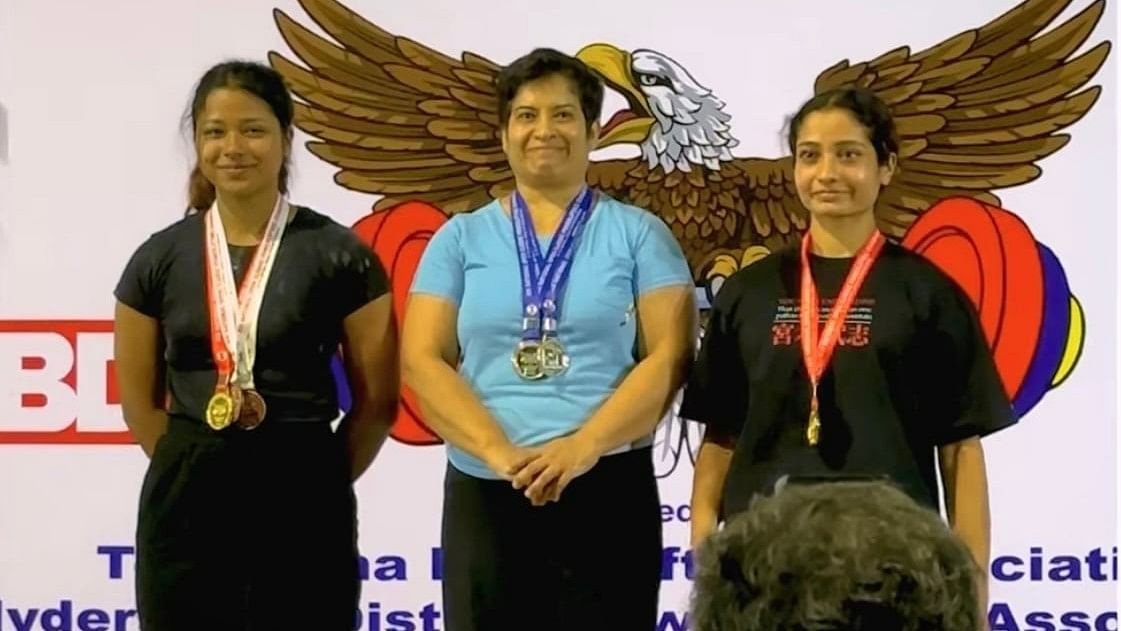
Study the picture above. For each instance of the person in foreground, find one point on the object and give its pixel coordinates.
(545, 336)
(226, 325)
(843, 556)
(846, 356)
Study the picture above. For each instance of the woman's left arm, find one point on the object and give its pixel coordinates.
(667, 335)
(667, 339)
(370, 356)
(967, 402)
(967, 503)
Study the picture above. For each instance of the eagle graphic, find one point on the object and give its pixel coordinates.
(975, 113)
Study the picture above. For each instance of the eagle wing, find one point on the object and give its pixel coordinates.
(975, 114)
(978, 111)
(397, 118)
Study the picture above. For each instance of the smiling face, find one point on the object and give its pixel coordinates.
(240, 143)
(547, 140)
(836, 170)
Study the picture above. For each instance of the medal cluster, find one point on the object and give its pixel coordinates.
(234, 312)
(539, 354)
(233, 406)
(537, 359)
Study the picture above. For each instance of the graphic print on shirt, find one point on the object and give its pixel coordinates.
(786, 329)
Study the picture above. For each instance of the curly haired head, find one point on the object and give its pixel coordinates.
(843, 556)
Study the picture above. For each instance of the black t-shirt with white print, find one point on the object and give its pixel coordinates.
(912, 371)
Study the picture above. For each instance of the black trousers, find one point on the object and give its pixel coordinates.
(591, 561)
(247, 530)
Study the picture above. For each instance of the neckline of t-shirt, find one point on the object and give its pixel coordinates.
(234, 247)
(843, 260)
(500, 212)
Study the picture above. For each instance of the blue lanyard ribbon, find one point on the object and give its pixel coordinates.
(544, 277)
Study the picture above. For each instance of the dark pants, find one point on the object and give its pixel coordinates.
(247, 530)
(591, 561)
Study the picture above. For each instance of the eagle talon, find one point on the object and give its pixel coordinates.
(723, 266)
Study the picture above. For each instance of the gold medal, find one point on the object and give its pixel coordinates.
(527, 361)
(813, 428)
(221, 410)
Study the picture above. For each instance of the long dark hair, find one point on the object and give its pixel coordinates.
(256, 79)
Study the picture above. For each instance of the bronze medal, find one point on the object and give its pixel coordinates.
(252, 410)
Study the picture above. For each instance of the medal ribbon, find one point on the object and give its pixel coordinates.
(543, 278)
(818, 351)
(234, 311)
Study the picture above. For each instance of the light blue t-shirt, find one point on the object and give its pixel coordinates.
(472, 262)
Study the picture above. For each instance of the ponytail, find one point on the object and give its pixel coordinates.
(201, 192)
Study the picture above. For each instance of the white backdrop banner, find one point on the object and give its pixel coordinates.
(1015, 103)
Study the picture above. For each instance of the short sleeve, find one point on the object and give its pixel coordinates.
(659, 261)
(716, 393)
(969, 398)
(359, 276)
(141, 283)
(440, 272)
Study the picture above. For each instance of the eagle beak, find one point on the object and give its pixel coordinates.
(614, 66)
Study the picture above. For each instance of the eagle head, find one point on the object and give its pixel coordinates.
(677, 122)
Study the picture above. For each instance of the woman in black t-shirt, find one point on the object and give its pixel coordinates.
(846, 357)
(226, 325)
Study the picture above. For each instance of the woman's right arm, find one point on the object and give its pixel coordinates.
(429, 355)
(716, 395)
(140, 375)
(708, 483)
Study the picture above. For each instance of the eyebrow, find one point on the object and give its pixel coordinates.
(841, 143)
(562, 106)
(241, 121)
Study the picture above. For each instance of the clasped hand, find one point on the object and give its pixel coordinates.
(544, 472)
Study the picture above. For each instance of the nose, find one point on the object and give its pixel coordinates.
(233, 143)
(543, 127)
(826, 168)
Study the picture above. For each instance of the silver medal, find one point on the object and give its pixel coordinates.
(554, 359)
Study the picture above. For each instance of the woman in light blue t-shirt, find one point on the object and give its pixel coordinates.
(546, 334)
